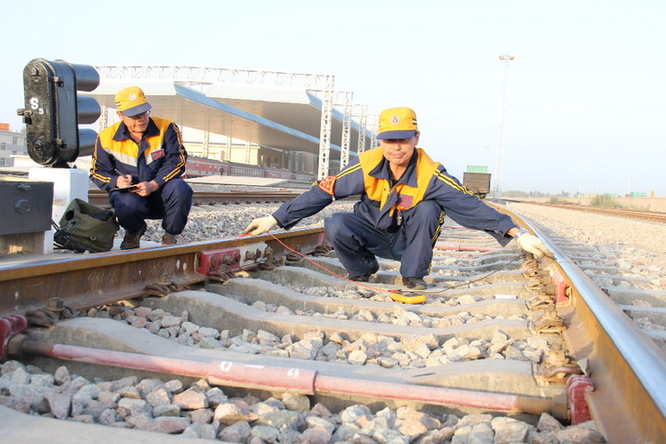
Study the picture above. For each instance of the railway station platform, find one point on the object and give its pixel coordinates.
(83, 163)
(237, 180)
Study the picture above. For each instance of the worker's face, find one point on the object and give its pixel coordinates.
(399, 151)
(135, 124)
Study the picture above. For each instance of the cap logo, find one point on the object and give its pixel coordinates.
(132, 97)
(395, 120)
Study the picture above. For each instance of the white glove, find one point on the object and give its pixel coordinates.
(260, 225)
(533, 244)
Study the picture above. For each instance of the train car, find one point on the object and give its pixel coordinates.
(241, 169)
(199, 166)
(477, 183)
(279, 173)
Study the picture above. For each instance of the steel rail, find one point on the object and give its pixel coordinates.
(101, 198)
(628, 370)
(653, 216)
(103, 278)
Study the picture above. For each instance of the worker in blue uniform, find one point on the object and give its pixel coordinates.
(140, 161)
(404, 195)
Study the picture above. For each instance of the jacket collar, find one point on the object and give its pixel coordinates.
(381, 171)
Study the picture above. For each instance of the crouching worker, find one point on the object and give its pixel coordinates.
(403, 197)
(140, 161)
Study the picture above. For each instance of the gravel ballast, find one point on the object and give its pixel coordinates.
(636, 246)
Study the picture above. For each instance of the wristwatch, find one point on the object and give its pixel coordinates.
(520, 232)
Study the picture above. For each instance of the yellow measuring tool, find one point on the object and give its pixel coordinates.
(408, 299)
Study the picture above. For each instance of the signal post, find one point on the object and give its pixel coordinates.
(52, 114)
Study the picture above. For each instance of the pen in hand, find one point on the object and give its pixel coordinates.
(126, 177)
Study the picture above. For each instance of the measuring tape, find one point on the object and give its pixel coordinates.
(408, 299)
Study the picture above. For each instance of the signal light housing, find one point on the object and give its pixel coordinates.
(53, 111)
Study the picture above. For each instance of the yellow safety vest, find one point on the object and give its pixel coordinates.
(380, 189)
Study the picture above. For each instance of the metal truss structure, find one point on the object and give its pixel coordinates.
(345, 99)
(323, 84)
(362, 114)
(374, 128)
(325, 130)
(210, 75)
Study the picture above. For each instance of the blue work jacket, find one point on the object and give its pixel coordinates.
(381, 200)
(160, 156)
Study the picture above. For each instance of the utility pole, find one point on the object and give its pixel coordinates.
(628, 186)
(506, 60)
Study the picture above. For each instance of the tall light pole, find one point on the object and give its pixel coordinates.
(506, 60)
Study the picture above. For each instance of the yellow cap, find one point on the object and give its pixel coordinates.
(131, 101)
(397, 123)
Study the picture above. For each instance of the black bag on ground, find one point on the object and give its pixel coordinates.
(86, 227)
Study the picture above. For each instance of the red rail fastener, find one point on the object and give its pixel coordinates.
(561, 286)
(9, 327)
(577, 386)
(211, 261)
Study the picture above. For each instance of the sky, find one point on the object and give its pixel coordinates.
(581, 108)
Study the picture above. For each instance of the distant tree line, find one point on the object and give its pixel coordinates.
(517, 193)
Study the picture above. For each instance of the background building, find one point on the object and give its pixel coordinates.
(12, 143)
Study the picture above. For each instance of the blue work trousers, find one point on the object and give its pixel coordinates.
(171, 203)
(357, 242)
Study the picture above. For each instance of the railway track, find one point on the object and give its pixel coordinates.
(497, 332)
(653, 216)
(101, 198)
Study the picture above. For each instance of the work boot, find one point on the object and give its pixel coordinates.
(132, 240)
(365, 277)
(169, 239)
(414, 283)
